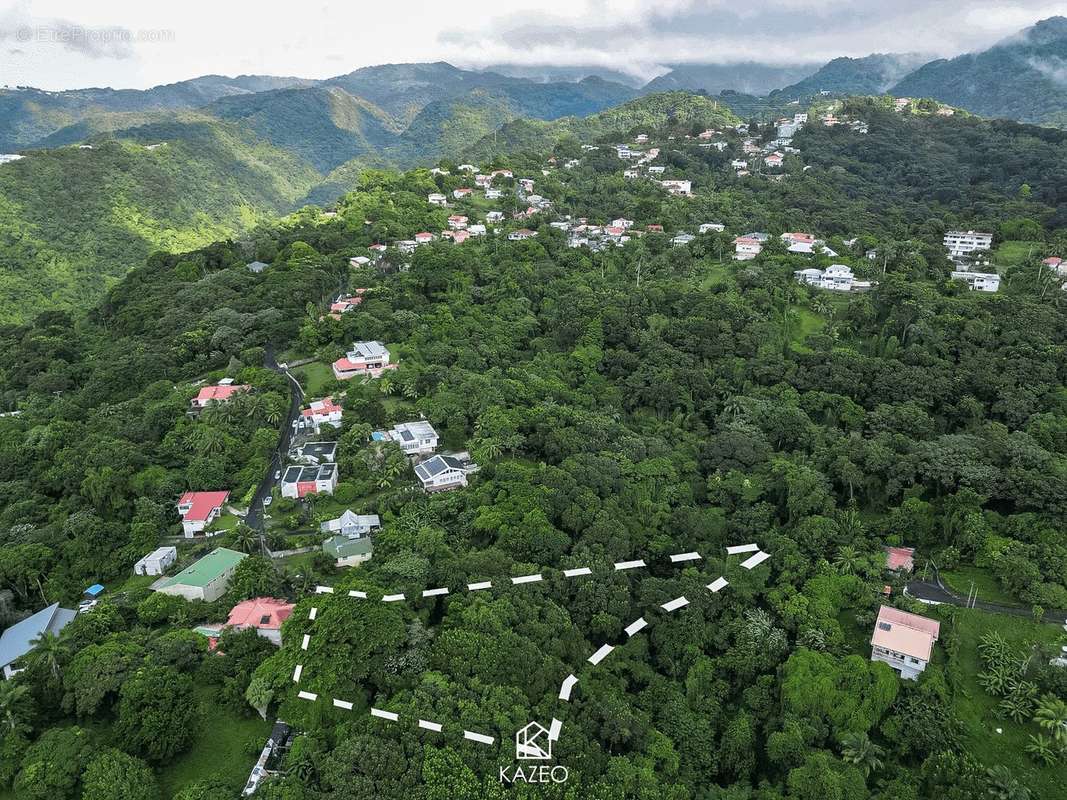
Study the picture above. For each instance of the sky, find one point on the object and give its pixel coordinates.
(62, 44)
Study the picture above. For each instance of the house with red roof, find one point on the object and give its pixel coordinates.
(1056, 263)
(462, 192)
(342, 305)
(457, 222)
(200, 509)
(222, 392)
(459, 237)
(321, 412)
(654, 228)
(775, 159)
(904, 641)
(747, 248)
(264, 614)
(424, 237)
(365, 358)
(900, 559)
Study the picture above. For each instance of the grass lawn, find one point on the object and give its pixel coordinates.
(1009, 254)
(979, 711)
(313, 378)
(226, 522)
(959, 581)
(803, 322)
(299, 563)
(712, 274)
(217, 751)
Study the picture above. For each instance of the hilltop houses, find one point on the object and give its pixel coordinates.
(365, 358)
(414, 438)
(799, 242)
(961, 244)
(904, 641)
(206, 579)
(348, 552)
(836, 277)
(299, 480)
(222, 392)
(321, 412)
(443, 472)
(747, 247)
(522, 234)
(678, 187)
(200, 509)
(17, 640)
(343, 304)
(436, 199)
(775, 159)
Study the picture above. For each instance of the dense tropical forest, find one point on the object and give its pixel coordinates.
(630, 403)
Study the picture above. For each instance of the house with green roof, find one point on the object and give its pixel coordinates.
(348, 552)
(206, 579)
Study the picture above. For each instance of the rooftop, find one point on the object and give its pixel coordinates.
(207, 569)
(17, 640)
(266, 613)
(905, 633)
(343, 547)
(201, 504)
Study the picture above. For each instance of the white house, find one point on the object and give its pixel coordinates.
(903, 641)
(680, 188)
(775, 159)
(220, 393)
(521, 235)
(682, 239)
(441, 472)
(156, 562)
(493, 217)
(623, 223)
(437, 199)
(493, 194)
(746, 248)
(414, 438)
(656, 170)
(457, 222)
(799, 242)
(962, 243)
(300, 481)
(365, 358)
(837, 277)
(352, 525)
(321, 412)
(476, 230)
(200, 509)
(712, 226)
(978, 281)
(460, 193)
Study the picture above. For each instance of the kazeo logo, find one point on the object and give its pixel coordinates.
(534, 743)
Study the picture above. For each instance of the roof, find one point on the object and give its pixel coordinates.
(324, 406)
(94, 590)
(349, 517)
(298, 474)
(262, 613)
(410, 431)
(899, 558)
(220, 392)
(433, 466)
(17, 640)
(201, 504)
(905, 633)
(207, 569)
(343, 547)
(368, 349)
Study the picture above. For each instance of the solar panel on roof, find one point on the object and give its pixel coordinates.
(885, 626)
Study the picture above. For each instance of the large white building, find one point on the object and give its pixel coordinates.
(978, 281)
(837, 277)
(961, 244)
(414, 438)
(365, 358)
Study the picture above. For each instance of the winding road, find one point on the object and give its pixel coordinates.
(935, 591)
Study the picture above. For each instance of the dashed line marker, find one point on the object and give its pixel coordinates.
(527, 578)
(636, 625)
(430, 726)
(554, 729)
(389, 715)
(600, 654)
(574, 573)
(675, 604)
(756, 560)
(307, 695)
(297, 672)
(342, 704)
(312, 614)
(678, 557)
(392, 598)
(718, 584)
(357, 593)
(742, 548)
(434, 592)
(474, 587)
(307, 640)
(477, 737)
(621, 565)
(565, 688)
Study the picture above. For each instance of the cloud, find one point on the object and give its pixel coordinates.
(19, 26)
(1053, 68)
(644, 40)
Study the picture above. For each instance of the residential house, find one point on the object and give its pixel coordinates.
(482, 181)
(655, 228)
(457, 237)
(631, 173)
(682, 239)
(526, 184)
(494, 217)
(200, 509)
(437, 199)
(623, 223)
(978, 281)
(352, 525)
(206, 579)
(365, 358)
(358, 261)
(321, 412)
(900, 559)
(641, 138)
(406, 245)
(521, 235)
(314, 453)
(414, 438)
(469, 168)
(1057, 264)
(263, 614)
(423, 237)
(961, 244)
(799, 242)
(775, 159)
(348, 552)
(442, 472)
(457, 222)
(502, 173)
(717, 227)
(904, 641)
(156, 562)
(462, 192)
(220, 393)
(343, 304)
(17, 640)
(300, 481)
(739, 164)
(493, 194)
(256, 266)
(746, 248)
(476, 230)
(837, 277)
(656, 170)
(678, 187)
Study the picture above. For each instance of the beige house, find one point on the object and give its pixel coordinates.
(903, 640)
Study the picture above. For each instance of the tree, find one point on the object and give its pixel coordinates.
(1002, 785)
(156, 710)
(1043, 749)
(859, 750)
(49, 652)
(253, 577)
(113, 775)
(14, 706)
(848, 560)
(1051, 714)
(53, 766)
(244, 538)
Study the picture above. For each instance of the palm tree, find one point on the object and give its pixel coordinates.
(1051, 715)
(244, 538)
(1043, 749)
(385, 385)
(847, 561)
(1003, 786)
(49, 651)
(996, 680)
(821, 306)
(858, 749)
(12, 705)
(1019, 704)
(273, 414)
(734, 406)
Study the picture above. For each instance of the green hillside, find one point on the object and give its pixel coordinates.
(74, 220)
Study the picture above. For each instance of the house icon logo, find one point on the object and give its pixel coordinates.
(532, 743)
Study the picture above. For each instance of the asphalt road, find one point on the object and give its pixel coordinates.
(934, 591)
(296, 397)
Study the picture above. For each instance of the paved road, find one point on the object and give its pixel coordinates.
(296, 398)
(934, 591)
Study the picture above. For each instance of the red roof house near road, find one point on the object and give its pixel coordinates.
(900, 558)
(218, 394)
(265, 614)
(199, 509)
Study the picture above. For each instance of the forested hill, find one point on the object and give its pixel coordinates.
(630, 402)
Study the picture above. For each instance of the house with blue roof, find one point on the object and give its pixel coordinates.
(18, 640)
